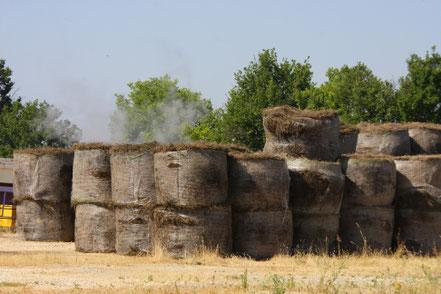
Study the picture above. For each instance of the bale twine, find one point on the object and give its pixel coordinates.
(191, 175)
(94, 228)
(43, 174)
(133, 230)
(133, 180)
(181, 232)
(370, 180)
(373, 225)
(302, 133)
(317, 233)
(91, 173)
(387, 139)
(425, 138)
(348, 138)
(316, 186)
(44, 221)
(262, 234)
(257, 182)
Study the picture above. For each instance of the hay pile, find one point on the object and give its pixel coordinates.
(92, 198)
(418, 202)
(316, 197)
(367, 214)
(191, 182)
(348, 138)
(387, 139)
(133, 193)
(42, 189)
(302, 133)
(259, 193)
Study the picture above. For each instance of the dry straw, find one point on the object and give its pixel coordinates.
(44, 151)
(200, 146)
(91, 146)
(347, 129)
(122, 148)
(256, 156)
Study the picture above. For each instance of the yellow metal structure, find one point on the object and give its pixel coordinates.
(8, 218)
(7, 207)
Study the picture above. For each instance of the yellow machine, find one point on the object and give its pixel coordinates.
(7, 206)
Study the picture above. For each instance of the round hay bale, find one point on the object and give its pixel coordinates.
(192, 178)
(373, 224)
(44, 221)
(133, 179)
(94, 228)
(302, 133)
(257, 182)
(425, 138)
(418, 171)
(316, 186)
(262, 234)
(133, 230)
(348, 138)
(370, 181)
(91, 180)
(43, 174)
(387, 139)
(182, 232)
(426, 198)
(317, 233)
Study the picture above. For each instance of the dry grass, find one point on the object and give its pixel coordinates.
(418, 157)
(44, 151)
(123, 148)
(256, 156)
(200, 146)
(347, 129)
(41, 267)
(291, 158)
(91, 146)
(369, 157)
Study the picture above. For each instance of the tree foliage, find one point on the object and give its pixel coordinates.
(419, 96)
(6, 85)
(157, 109)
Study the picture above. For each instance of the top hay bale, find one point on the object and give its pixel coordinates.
(133, 180)
(191, 175)
(302, 133)
(91, 173)
(348, 138)
(43, 174)
(425, 138)
(388, 139)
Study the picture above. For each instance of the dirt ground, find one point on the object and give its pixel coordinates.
(55, 267)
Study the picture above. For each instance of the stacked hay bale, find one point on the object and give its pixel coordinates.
(387, 139)
(425, 138)
(42, 188)
(92, 198)
(302, 133)
(133, 195)
(192, 189)
(418, 202)
(259, 192)
(316, 196)
(348, 138)
(367, 214)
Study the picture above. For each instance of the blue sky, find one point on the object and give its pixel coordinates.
(78, 54)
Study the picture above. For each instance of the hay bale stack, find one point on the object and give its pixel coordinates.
(348, 138)
(316, 197)
(418, 202)
(367, 214)
(259, 192)
(192, 189)
(92, 198)
(425, 138)
(42, 189)
(302, 133)
(388, 139)
(133, 194)
(182, 232)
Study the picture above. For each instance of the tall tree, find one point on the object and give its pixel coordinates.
(157, 109)
(263, 83)
(357, 94)
(419, 96)
(6, 84)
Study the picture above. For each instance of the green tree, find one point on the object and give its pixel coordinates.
(32, 125)
(419, 96)
(157, 109)
(6, 85)
(357, 94)
(263, 83)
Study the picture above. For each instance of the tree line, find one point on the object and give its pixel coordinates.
(357, 94)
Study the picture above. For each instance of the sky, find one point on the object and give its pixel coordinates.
(78, 54)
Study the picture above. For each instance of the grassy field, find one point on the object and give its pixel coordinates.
(52, 267)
